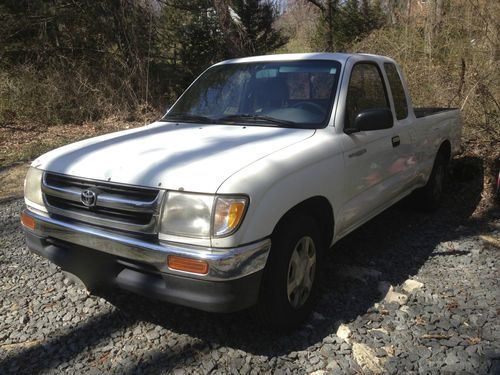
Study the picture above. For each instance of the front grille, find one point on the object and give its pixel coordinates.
(118, 207)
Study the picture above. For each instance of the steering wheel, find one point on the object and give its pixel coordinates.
(311, 106)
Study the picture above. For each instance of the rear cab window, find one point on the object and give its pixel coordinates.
(397, 90)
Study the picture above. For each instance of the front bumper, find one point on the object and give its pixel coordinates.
(102, 258)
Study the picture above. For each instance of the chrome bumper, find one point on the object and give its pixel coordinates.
(224, 264)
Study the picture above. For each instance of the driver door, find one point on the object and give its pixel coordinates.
(368, 155)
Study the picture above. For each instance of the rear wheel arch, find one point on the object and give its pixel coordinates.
(445, 150)
(429, 196)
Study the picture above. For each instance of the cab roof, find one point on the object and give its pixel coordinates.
(340, 57)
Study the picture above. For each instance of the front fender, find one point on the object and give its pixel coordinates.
(277, 183)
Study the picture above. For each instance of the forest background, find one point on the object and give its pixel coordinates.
(73, 69)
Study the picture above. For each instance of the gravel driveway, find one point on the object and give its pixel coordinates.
(368, 320)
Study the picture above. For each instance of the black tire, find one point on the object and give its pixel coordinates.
(430, 196)
(274, 306)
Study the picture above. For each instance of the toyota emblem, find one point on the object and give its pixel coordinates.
(88, 198)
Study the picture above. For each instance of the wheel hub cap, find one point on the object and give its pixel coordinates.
(301, 271)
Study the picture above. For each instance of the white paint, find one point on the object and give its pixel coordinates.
(193, 157)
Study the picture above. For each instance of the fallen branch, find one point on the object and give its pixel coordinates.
(436, 337)
(22, 345)
(490, 240)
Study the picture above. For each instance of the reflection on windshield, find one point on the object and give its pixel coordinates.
(290, 94)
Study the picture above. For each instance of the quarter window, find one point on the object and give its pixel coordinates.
(366, 91)
(398, 92)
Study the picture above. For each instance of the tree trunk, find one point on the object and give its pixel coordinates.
(430, 23)
(438, 16)
(329, 40)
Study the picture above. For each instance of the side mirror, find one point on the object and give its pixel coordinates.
(371, 119)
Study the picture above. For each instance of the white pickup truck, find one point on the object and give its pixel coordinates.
(231, 199)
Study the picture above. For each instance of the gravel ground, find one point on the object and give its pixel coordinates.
(368, 320)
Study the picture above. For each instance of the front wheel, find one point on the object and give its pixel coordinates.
(290, 279)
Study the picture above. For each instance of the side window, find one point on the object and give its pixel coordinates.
(366, 91)
(398, 92)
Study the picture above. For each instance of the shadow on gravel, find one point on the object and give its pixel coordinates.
(396, 243)
(66, 346)
(164, 360)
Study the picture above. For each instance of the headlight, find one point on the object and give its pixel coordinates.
(196, 215)
(33, 189)
(187, 215)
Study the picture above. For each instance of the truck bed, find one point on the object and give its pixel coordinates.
(427, 111)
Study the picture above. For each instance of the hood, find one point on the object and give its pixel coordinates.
(192, 157)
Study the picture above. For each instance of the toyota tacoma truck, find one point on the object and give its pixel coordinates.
(232, 198)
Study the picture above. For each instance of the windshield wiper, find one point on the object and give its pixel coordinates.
(256, 118)
(188, 118)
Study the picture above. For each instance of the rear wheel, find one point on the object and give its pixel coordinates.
(290, 279)
(430, 196)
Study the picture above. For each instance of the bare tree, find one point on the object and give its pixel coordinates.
(327, 8)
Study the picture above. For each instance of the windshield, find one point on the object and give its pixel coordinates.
(289, 94)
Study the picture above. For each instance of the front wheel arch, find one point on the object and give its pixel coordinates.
(319, 209)
(275, 307)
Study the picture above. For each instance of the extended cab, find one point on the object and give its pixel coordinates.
(231, 198)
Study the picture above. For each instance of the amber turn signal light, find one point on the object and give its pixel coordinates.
(27, 221)
(187, 264)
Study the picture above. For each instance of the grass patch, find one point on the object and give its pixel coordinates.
(19, 146)
(12, 181)
(24, 144)
(29, 152)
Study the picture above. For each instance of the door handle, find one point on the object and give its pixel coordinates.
(396, 141)
(358, 153)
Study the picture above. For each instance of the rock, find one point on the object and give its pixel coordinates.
(409, 286)
(344, 332)
(345, 348)
(318, 372)
(390, 350)
(443, 324)
(67, 317)
(152, 335)
(423, 352)
(329, 340)
(333, 367)
(378, 332)
(395, 297)
(452, 359)
(471, 350)
(366, 358)
(327, 350)
(314, 359)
